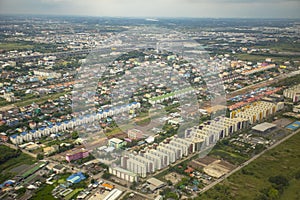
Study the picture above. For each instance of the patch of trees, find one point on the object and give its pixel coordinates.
(106, 175)
(7, 153)
(220, 192)
(279, 183)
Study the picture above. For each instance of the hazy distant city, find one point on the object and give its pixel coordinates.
(157, 108)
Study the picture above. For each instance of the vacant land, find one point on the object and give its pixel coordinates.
(260, 58)
(15, 46)
(275, 175)
(12, 161)
(174, 177)
(44, 192)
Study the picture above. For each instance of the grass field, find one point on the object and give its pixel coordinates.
(29, 101)
(39, 100)
(44, 193)
(76, 191)
(14, 46)
(260, 58)
(253, 180)
(6, 167)
(292, 47)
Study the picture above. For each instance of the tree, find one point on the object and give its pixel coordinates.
(273, 193)
(171, 195)
(133, 185)
(40, 156)
(106, 175)
(169, 183)
(74, 135)
(279, 182)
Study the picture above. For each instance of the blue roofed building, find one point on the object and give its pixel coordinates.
(76, 178)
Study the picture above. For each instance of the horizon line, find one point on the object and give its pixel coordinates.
(146, 17)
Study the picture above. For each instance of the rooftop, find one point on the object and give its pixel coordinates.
(263, 127)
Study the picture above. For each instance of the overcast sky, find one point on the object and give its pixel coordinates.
(157, 8)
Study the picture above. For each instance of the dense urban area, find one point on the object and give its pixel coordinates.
(228, 130)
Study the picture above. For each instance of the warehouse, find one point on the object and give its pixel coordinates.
(113, 195)
(155, 184)
(264, 127)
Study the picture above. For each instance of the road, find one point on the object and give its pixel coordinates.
(60, 54)
(247, 162)
(262, 84)
(23, 150)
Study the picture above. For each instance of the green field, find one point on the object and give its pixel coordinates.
(74, 193)
(39, 100)
(32, 99)
(44, 193)
(171, 94)
(253, 181)
(292, 47)
(260, 58)
(15, 46)
(9, 164)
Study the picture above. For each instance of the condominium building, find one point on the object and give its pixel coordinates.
(123, 174)
(257, 111)
(293, 93)
(137, 167)
(211, 131)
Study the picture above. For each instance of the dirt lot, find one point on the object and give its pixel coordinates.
(174, 177)
(282, 122)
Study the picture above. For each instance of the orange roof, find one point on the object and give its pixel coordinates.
(107, 185)
(189, 170)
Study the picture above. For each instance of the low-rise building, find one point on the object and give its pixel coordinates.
(135, 134)
(116, 143)
(77, 154)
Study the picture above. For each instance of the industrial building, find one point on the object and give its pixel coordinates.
(76, 178)
(113, 195)
(154, 184)
(263, 127)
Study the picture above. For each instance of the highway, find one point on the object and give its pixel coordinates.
(57, 54)
(247, 162)
(262, 84)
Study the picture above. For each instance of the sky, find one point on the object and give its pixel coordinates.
(157, 8)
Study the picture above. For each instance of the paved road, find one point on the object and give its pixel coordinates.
(23, 150)
(262, 84)
(247, 162)
(57, 54)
